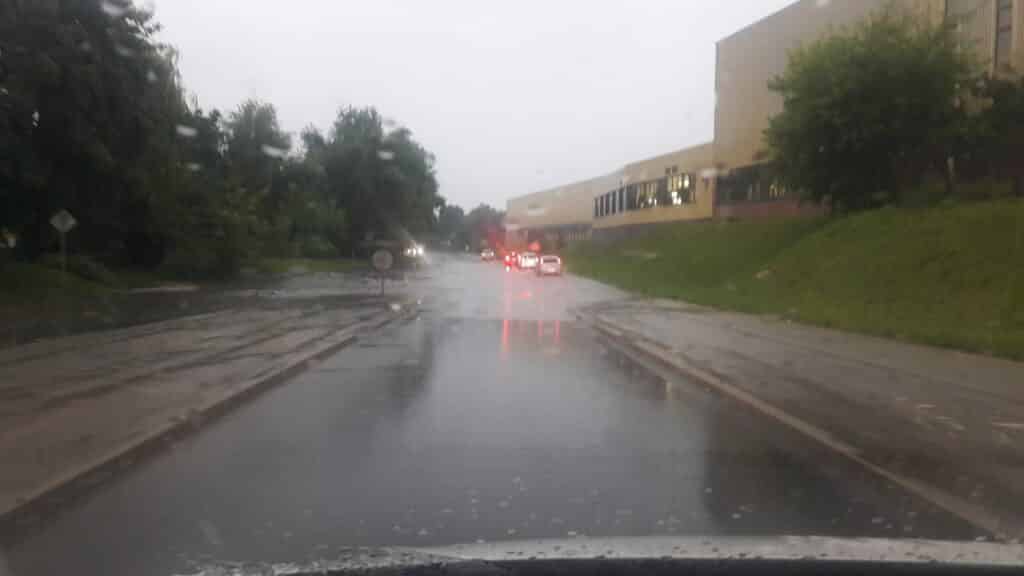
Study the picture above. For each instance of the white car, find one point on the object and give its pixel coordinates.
(487, 255)
(528, 260)
(549, 265)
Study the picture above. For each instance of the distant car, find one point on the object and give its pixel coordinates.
(549, 265)
(487, 255)
(528, 260)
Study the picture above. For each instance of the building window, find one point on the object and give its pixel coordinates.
(622, 199)
(1004, 32)
(681, 188)
(754, 183)
(631, 198)
(596, 214)
(647, 194)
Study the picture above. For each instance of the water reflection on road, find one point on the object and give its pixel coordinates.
(494, 415)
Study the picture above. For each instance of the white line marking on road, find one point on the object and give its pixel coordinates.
(1009, 425)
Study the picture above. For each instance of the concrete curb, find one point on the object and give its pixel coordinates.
(62, 488)
(643, 349)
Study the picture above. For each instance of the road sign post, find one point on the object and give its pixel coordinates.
(63, 221)
(382, 261)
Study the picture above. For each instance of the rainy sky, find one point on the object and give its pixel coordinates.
(512, 97)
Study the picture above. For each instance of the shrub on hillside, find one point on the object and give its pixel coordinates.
(868, 112)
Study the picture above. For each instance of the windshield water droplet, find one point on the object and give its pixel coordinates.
(186, 131)
(385, 154)
(274, 152)
(113, 9)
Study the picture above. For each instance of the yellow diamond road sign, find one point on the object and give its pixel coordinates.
(63, 221)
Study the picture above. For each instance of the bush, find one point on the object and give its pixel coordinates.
(82, 266)
(318, 247)
(867, 113)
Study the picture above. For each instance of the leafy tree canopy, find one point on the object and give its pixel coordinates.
(868, 111)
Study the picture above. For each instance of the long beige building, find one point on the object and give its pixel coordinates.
(727, 178)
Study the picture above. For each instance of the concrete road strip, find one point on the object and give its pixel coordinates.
(60, 443)
(969, 511)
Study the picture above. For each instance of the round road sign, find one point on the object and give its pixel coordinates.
(382, 260)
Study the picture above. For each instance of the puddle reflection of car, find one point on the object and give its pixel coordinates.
(549, 265)
(528, 260)
(487, 255)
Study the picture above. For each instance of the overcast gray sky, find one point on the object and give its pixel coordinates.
(512, 97)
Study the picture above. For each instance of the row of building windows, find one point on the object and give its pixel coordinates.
(673, 190)
(748, 184)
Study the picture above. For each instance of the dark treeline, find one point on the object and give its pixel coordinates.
(94, 118)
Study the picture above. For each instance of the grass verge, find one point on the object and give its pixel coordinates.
(28, 289)
(291, 265)
(951, 275)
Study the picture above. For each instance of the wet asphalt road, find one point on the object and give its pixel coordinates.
(493, 415)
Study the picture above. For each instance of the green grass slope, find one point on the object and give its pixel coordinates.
(951, 275)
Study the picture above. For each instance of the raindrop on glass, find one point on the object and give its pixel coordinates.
(503, 504)
(274, 152)
(35, 118)
(151, 77)
(193, 167)
(113, 9)
(423, 532)
(385, 154)
(186, 131)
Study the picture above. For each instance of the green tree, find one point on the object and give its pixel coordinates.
(481, 225)
(87, 115)
(383, 180)
(996, 132)
(256, 146)
(869, 111)
(450, 222)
